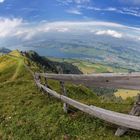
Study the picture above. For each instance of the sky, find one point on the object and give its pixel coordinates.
(27, 18)
(120, 11)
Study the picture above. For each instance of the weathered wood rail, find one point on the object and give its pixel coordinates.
(98, 80)
(115, 80)
(109, 116)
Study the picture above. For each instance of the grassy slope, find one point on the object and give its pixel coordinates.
(26, 114)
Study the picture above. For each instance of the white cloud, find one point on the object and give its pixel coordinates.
(81, 1)
(75, 6)
(111, 9)
(1, 1)
(86, 24)
(129, 11)
(67, 2)
(74, 11)
(78, 5)
(130, 2)
(100, 9)
(18, 28)
(8, 26)
(62, 29)
(110, 33)
(125, 10)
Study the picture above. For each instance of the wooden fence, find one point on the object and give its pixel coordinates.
(115, 80)
(129, 81)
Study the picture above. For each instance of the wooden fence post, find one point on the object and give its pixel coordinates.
(46, 82)
(38, 79)
(63, 89)
(46, 85)
(45, 79)
(135, 111)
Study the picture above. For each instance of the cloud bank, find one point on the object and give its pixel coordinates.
(8, 26)
(18, 28)
(110, 33)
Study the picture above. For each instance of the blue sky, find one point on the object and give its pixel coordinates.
(120, 11)
(25, 19)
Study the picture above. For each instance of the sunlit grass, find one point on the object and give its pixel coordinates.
(15, 53)
(124, 94)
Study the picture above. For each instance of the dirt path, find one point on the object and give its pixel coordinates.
(20, 63)
(17, 70)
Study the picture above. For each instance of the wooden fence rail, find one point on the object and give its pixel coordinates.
(115, 80)
(111, 80)
(109, 116)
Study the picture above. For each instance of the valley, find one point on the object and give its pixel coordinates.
(88, 67)
(84, 45)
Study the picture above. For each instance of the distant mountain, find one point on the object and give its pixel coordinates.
(4, 50)
(52, 66)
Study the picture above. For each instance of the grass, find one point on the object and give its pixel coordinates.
(26, 114)
(124, 94)
(20, 63)
(15, 53)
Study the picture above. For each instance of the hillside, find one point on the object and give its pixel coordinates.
(88, 67)
(27, 114)
(52, 66)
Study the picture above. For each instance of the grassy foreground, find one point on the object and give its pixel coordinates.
(26, 114)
